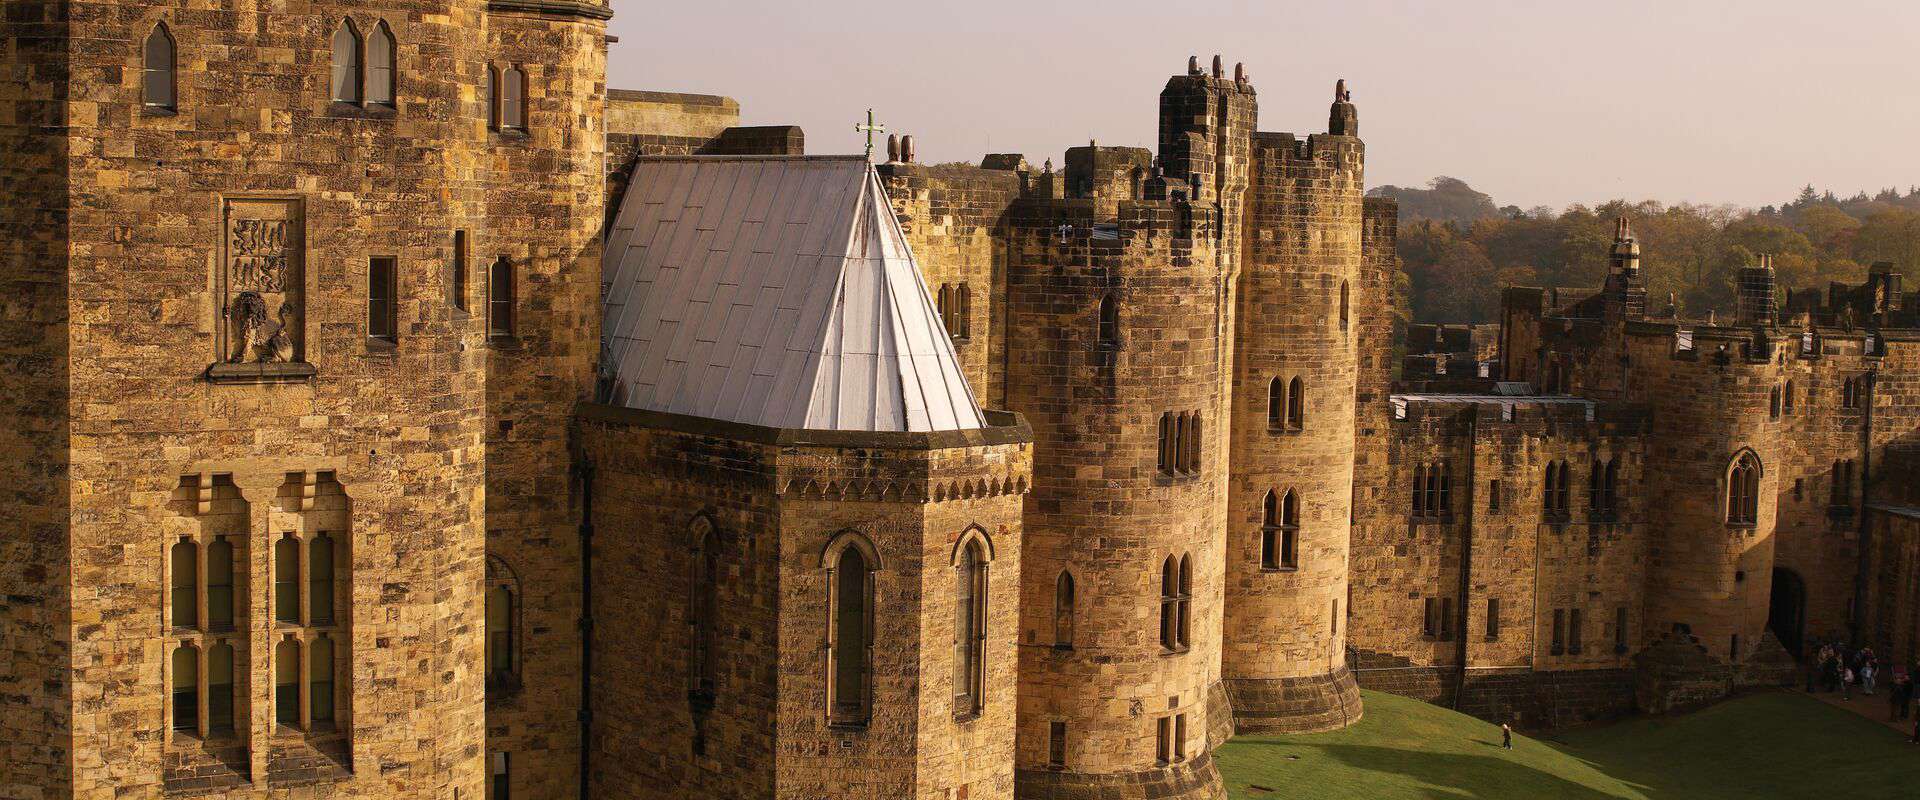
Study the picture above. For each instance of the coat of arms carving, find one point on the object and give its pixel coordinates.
(260, 282)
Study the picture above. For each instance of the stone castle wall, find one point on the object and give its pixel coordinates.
(259, 183)
(36, 406)
(543, 209)
(776, 504)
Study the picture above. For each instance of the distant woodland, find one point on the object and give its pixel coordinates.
(1458, 248)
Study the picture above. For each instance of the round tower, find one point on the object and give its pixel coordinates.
(1291, 491)
(1711, 566)
(1126, 324)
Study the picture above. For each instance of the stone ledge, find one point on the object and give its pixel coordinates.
(260, 372)
(561, 8)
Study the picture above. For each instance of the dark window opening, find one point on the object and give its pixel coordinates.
(159, 70)
(383, 291)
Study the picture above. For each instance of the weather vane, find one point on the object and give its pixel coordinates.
(870, 128)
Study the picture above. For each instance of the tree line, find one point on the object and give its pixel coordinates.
(1458, 250)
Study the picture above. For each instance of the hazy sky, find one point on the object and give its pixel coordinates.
(1538, 103)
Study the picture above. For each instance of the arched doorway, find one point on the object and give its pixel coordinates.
(1787, 609)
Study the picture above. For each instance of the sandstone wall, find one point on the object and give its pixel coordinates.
(777, 501)
(955, 219)
(544, 213)
(258, 170)
(36, 625)
(1284, 658)
(1101, 506)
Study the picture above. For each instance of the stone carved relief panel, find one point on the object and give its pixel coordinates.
(259, 286)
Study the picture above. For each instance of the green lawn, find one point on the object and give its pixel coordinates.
(1767, 745)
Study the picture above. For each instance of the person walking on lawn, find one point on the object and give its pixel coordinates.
(1506, 736)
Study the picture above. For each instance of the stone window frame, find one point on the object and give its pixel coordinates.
(1057, 745)
(460, 268)
(308, 628)
(1107, 322)
(703, 610)
(1493, 619)
(161, 34)
(1280, 531)
(1345, 301)
(972, 562)
(1066, 597)
(1558, 644)
(855, 716)
(1555, 501)
(1603, 489)
(503, 312)
(1176, 604)
(1575, 641)
(502, 76)
(1740, 498)
(360, 104)
(955, 307)
(383, 302)
(1620, 630)
(501, 576)
(201, 636)
(1433, 491)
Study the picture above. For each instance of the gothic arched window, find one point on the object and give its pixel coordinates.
(1280, 531)
(1296, 403)
(1063, 602)
(513, 98)
(1183, 632)
(381, 71)
(702, 608)
(1109, 325)
(493, 98)
(970, 628)
(347, 76)
(1276, 404)
(159, 70)
(1170, 604)
(1743, 489)
(850, 563)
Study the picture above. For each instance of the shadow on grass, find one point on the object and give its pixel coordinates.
(1446, 776)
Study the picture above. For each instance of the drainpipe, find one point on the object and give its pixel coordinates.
(1468, 495)
(586, 625)
(1863, 532)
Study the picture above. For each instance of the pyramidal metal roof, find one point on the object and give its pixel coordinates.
(775, 291)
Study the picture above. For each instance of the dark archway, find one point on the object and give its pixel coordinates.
(1787, 609)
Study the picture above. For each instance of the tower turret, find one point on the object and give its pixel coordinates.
(1755, 303)
(1343, 119)
(1294, 382)
(1626, 290)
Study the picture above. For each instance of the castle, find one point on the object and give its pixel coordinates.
(394, 410)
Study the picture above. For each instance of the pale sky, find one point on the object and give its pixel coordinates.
(1537, 103)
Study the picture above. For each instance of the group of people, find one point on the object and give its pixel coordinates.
(1839, 668)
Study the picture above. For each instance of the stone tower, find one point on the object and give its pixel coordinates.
(1294, 376)
(1126, 318)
